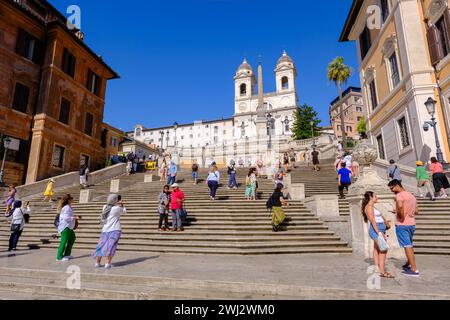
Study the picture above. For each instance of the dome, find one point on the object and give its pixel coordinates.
(285, 59)
(245, 69)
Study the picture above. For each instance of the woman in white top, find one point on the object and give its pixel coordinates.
(213, 181)
(68, 222)
(378, 227)
(111, 232)
(17, 218)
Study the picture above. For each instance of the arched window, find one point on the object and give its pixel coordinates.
(138, 132)
(243, 89)
(285, 83)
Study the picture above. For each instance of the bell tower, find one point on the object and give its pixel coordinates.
(244, 82)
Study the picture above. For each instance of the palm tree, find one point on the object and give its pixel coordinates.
(338, 72)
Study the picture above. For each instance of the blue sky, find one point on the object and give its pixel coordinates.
(177, 58)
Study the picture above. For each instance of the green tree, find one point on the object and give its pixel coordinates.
(302, 123)
(338, 72)
(362, 128)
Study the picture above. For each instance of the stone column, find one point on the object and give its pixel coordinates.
(366, 154)
(86, 196)
(326, 205)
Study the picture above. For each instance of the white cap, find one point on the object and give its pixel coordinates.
(175, 185)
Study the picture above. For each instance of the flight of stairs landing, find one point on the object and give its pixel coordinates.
(229, 225)
(433, 223)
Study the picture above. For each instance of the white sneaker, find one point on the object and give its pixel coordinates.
(444, 196)
(69, 257)
(108, 266)
(65, 259)
(97, 265)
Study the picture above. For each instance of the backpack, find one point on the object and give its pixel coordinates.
(56, 221)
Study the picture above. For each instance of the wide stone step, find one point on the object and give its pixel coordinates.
(219, 251)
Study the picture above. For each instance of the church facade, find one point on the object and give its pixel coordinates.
(213, 139)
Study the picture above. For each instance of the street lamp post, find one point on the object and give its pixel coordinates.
(312, 135)
(6, 143)
(167, 139)
(430, 104)
(175, 126)
(162, 140)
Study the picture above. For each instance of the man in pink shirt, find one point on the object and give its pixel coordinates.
(406, 211)
(176, 205)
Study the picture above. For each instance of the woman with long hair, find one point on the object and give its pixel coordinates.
(66, 226)
(250, 184)
(440, 180)
(378, 227)
(111, 231)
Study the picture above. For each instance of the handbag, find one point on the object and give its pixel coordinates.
(382, 244)
(15, 227)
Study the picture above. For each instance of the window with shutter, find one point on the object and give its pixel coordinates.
(21, 97)
(443, 35)
(88, 124)
(64, 113)
(380, 143)
(93, 82)
(434, 42)
(29, 47)
(404, 135)
(69, 63)
(365, 42)
(373, 95)
(58, 156)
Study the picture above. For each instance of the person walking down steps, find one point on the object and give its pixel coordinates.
(232, 173)
(213, 181)
(111, 231)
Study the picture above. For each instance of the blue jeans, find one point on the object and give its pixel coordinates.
(232, 182)
(171, 180)
(194, 176)
(14, 239)
(176, 218)
(213, 186)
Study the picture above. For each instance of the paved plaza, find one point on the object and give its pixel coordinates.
(220, 277)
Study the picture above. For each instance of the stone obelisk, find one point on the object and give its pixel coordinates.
(261, 121)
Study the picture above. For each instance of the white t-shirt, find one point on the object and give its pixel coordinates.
(378, 216)
(214, 176)
(113, 220)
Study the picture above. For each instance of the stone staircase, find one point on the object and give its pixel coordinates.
(230, 225)
(433, 223)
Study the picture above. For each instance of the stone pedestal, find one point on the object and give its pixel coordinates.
(287, 180)
(150, 178)
(115, 186)
(86, 196)
(323, 205)
(366, 155)
(297, 191)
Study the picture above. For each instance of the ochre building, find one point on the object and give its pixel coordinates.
(52, 94)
